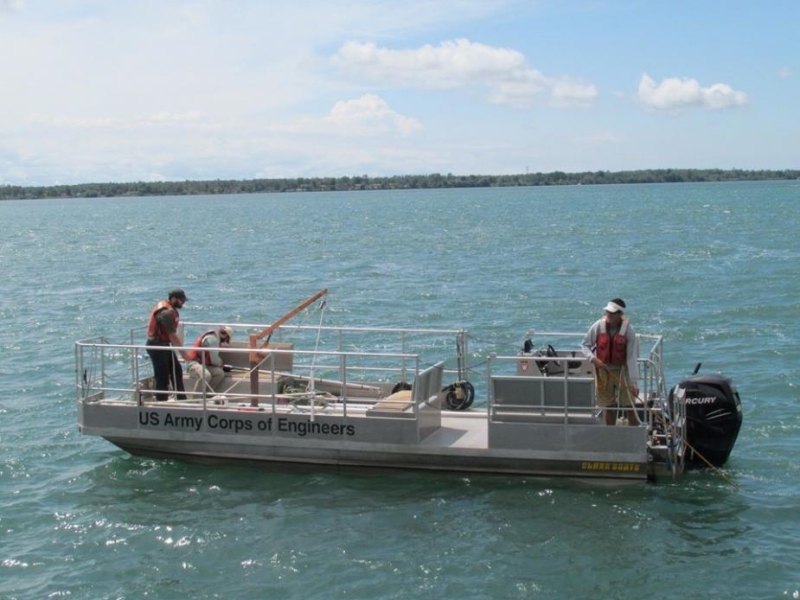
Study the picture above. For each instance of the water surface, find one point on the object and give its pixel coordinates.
(712, 267)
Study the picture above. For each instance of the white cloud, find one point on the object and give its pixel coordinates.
(675, 93)
(449, 65)
(785, 73)
(368, 115)
(460, 63)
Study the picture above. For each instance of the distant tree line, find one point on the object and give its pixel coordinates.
(398, 182)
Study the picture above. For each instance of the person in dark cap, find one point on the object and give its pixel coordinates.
(162, 334)
(613, 347)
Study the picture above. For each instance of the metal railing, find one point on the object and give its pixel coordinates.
(123, 371)
(651, 382)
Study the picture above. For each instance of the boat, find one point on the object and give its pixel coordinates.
(405, 398)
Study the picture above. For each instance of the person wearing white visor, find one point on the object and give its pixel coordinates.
(613, 347)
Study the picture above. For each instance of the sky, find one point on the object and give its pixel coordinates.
(170, 90)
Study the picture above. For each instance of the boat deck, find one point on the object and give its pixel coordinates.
(460, 431)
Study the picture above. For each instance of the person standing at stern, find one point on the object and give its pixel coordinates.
(613, 347)
(162, 335)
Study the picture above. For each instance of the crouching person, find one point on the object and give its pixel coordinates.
(205, 363)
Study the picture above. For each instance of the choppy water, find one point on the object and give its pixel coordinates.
(711, 266)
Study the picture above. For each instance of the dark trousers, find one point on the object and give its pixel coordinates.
(167, 370)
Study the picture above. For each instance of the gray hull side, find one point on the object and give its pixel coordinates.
(373, 458)
(459, 444)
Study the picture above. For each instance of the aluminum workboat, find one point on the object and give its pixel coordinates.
(396, 398)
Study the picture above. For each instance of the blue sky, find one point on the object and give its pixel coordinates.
(151, 90)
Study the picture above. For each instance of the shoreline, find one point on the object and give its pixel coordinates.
(397, 182)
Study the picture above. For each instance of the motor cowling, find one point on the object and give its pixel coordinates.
(713, 417)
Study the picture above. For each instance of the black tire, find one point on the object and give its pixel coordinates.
(460, 395)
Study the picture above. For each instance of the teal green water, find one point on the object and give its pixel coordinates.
(713, 267)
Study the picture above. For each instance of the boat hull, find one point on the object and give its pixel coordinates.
(378, 400)
(460, 443)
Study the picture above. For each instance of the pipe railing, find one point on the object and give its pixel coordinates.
(99, 371)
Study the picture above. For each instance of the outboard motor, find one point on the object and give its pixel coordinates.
(713, 417)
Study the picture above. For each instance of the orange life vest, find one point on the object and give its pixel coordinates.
(194, 353)
(613, 350)
(155, 330)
